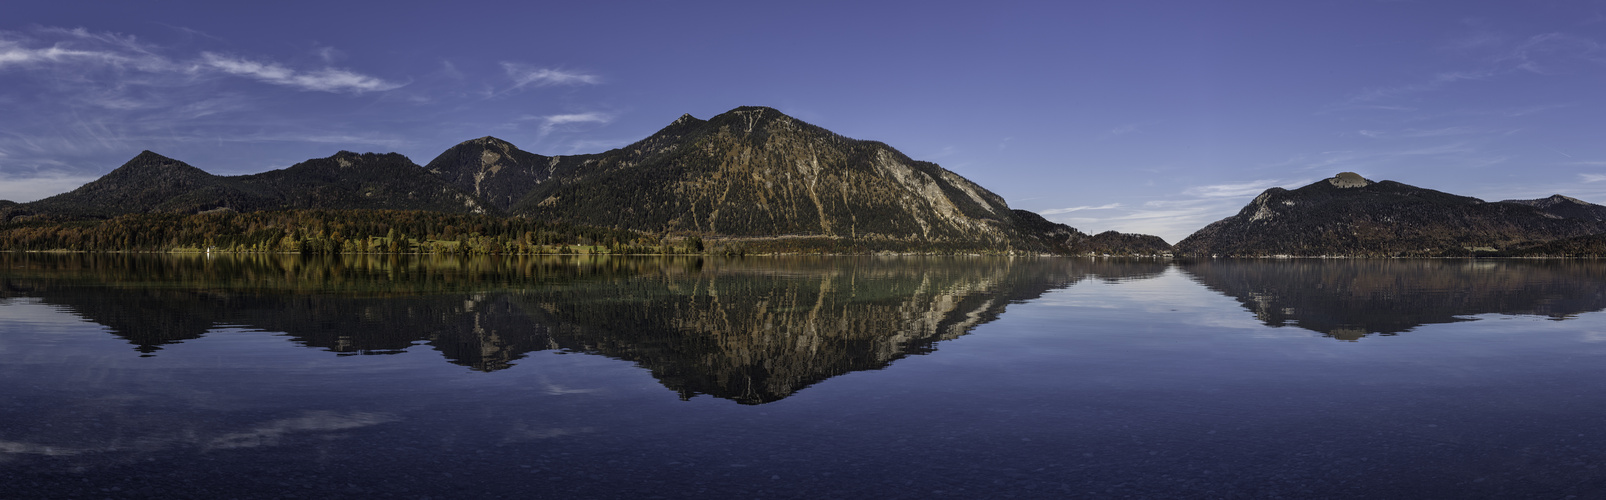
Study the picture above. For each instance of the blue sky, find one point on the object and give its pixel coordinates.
(1146, 116)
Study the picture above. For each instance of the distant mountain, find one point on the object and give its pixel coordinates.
(1566, 207)
(1348, 215)
(752, 174)
(496, 171)
(1114, 243)
(349, 180)
(152, 183)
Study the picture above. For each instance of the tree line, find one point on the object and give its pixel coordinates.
(334, 232)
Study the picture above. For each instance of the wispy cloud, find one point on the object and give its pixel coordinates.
(1235, 190)
(77, 52)
(1434, 132)
(596, 145)
(1552, 53)
(79, 46)
(11, 54)
(550, 123)
(271, 433)
(321, 80)
(1436, 82)
(79, 102)
(1495, 55)
(313, 137)
(1058, 211)
(1591, 177)
(524, 75)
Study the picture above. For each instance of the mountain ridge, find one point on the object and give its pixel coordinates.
(1348, 215)
(751, 172)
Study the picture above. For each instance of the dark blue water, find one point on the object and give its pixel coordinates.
(132, 376)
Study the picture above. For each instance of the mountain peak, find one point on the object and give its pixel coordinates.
(1347, 180)
(151, 163)
(753, 116)
(148, 155)
(489, 141)
(751, 109)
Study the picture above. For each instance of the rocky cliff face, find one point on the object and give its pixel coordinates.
(1351, 216)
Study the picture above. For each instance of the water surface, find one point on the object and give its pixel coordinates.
(266, 376)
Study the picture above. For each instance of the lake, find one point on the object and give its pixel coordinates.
(845, 377)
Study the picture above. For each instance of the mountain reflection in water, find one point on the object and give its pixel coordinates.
(1350, 299)
(753, 330)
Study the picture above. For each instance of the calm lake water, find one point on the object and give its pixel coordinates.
(277, 376)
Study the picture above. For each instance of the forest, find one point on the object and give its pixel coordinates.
(344, 232)
(334, 232)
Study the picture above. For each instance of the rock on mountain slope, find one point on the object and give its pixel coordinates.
(1348, 215)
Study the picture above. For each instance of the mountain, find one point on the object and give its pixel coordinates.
(1566, 207)
(349, 180)
(755, 172)
(1114, 243)
(495, 170)
(150, 183)
(752, 175)
(1348, 215)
